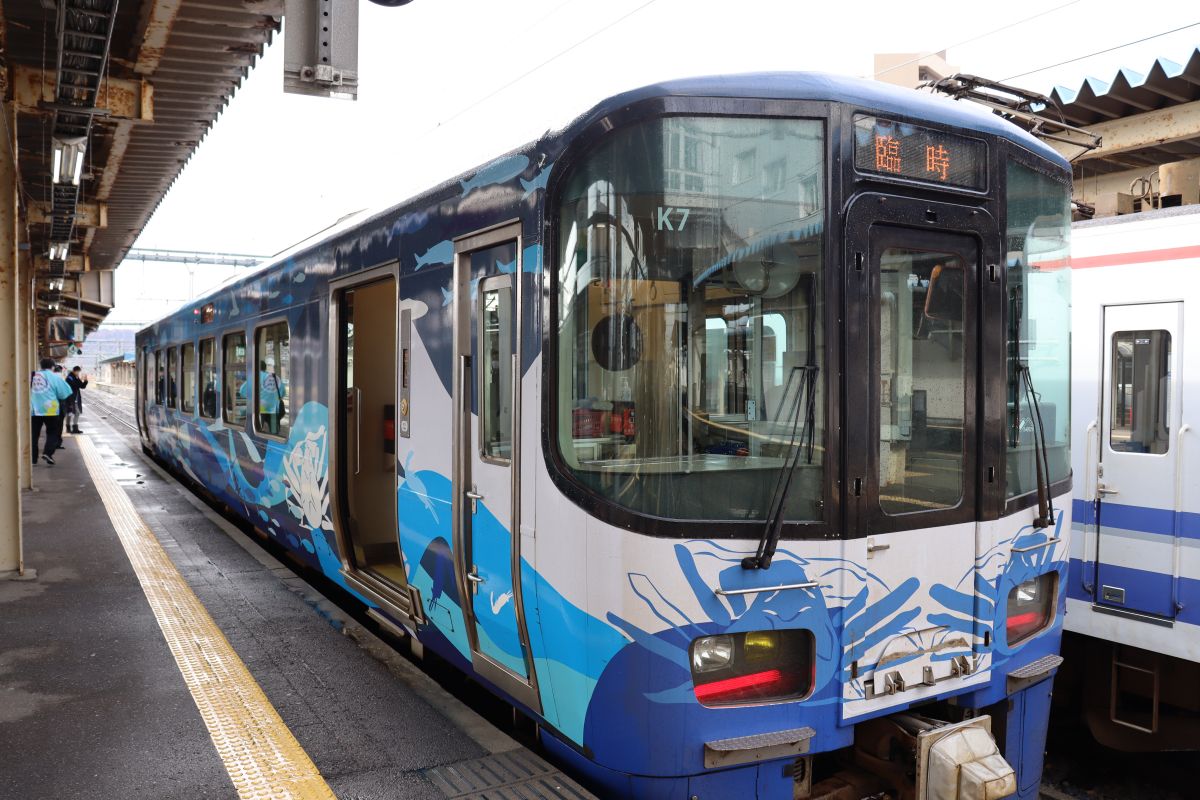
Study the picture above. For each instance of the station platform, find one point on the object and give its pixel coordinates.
(161, 653)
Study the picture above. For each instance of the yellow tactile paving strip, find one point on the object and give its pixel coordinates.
(262, 757)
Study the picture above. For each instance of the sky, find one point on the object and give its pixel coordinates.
(447, 85)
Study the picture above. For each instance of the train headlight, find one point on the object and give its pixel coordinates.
(1030, 607)
(753, 667)
(712, 652)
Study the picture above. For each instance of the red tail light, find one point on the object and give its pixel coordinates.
(753, 667)
(1030, 606)
(743, 686)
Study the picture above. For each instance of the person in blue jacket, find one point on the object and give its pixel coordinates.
(47, 391)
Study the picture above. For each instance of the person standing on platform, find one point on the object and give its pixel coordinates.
(78, 382)
(47, 392)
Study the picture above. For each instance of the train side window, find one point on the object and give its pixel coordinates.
(160, 377)
(271, 351)
(1038, 326)
(187, 378)
(233, 380)
(208, 378)
(1141, 392)
(172, 376)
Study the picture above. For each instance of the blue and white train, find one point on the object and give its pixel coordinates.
(1134, 591)
(724, 433)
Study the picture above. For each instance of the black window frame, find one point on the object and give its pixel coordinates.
(224, 416)
(252, 368)
(183, 372)
(200, 378)
(828, 115)
(160, 377)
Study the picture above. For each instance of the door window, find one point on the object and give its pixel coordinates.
(172, 376)
(160, 371)
(233, 384)
(922, 379)
(495, 371)
(187, 378)
(208, 378)
(1140, 400)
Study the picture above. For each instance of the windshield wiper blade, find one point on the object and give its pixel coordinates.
(1041, 455)
(801, 435)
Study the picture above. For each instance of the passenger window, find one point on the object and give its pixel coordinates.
(1141, 392)
(187, 378)
(495, 371)
(271, 384)
(208, 378)
(233, 382)
(160, 377)
(922, 378)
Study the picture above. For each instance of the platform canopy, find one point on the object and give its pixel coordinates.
(112, 98)
(1144, 119)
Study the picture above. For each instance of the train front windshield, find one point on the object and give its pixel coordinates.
(690, 317)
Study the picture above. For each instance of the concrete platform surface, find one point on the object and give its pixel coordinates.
(92, 702)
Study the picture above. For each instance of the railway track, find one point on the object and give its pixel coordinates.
(113, 407)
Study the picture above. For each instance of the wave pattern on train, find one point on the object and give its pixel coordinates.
(711, 431)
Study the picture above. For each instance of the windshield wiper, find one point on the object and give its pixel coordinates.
(801, 441)
(1041, 455)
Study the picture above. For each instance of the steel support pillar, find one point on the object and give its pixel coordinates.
(11, 413)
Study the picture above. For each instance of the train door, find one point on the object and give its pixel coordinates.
(486, 458)
(365, 447)
(1141, 398)
(914, 325)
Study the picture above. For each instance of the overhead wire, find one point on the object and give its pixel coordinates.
(545, 63)
(1102, 52)
(976, 38)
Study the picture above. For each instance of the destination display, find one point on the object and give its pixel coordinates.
(904, 150)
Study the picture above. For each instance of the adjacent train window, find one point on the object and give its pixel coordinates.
(187, 378)
(208, 378)
(160, 377)
(233, 380)
(690, 334)
(271, 384)
(496, 370)
(1038, 326)
(1141, 392)
(922, 375)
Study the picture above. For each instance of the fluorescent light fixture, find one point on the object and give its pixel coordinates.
(67, 162)
(59, 250)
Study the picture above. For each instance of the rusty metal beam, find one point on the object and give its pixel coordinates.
(87, 215)
(120, 98)
(157, 22)
(1128, 134)
(74, 263)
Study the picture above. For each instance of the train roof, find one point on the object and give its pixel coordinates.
(867, 94)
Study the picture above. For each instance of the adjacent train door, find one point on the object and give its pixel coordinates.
(486, 458)
(1141, 399)
(365, 362)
